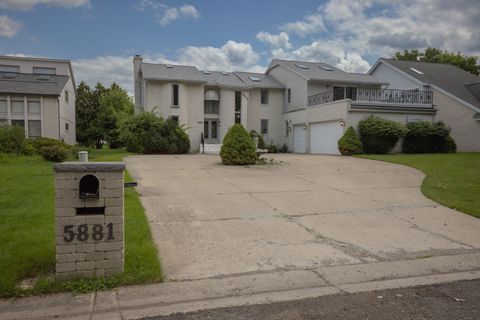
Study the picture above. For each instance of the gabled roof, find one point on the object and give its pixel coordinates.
(264, 80)
(22, 83)
(168, 72)
(452, 79)
(320, 71)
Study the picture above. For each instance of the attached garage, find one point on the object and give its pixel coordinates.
(324, 137)
(299, 139)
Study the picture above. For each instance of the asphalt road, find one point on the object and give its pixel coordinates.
(457, 300)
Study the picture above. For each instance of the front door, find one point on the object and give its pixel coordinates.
(210, 131)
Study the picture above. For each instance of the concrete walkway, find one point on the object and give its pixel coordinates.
(316, 226)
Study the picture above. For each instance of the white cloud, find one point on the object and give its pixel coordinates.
(231, 56)
(9, 27)
(166, 14)
(310, 24)
(30, 4)
(280, 40)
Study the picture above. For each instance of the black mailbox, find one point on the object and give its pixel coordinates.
(89, 186)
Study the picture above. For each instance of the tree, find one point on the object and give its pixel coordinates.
(467, 63)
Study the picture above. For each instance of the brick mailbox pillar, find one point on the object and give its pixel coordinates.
(89, 219)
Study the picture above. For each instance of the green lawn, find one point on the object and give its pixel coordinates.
(451, 179)
(27, 248)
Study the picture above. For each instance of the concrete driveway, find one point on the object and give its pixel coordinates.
(313, 213)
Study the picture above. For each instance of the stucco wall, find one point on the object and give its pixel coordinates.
(50, 125)
(296, 83)
(271, 111)
(227, 112)
(193, 114)
(395, 78)
(465, 129)
(67, 114)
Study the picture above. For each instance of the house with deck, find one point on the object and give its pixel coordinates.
(305, 105)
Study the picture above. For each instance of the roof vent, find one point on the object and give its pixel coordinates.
(254, 79)
(417, 71)
(301, 66)
(326, 68)
(44, 77)
(205, 72)
(169, 66)
(9, 75)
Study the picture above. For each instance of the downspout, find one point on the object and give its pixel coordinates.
(58, 107)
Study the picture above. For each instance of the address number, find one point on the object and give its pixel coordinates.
(84, 232)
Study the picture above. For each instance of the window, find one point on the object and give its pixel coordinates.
(18, 106)
(3, 105)
(264, 126)
(210, 107)
(289, 95)
(238, 106)
(33, 106)
(175, 118)
(286, 128)
(264, 96)
(41, 70)
(254, 78)
(351, 93)
(34, 128)
(10, 69)
(175, 95)
(19, 123)
(67, 127)
(338, 93)
(66, 96)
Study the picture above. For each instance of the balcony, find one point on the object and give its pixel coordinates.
(373, 95)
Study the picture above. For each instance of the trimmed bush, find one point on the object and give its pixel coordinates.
(39, 143)
(238, 147)
(12, 139)
(350, 144)
(380, 135)
(54, 153)
(261, 142)
(425, 137)
(448, 145)
(149, 133)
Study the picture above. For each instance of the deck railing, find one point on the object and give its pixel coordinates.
(373, 95)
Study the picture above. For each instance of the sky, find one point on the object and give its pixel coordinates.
(101, 37)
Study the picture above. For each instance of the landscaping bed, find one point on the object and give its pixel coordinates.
(27, 255)
(452, 180)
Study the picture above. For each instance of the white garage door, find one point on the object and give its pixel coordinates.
(324, 137)
(299, 139)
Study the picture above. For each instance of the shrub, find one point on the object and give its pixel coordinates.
(349, 144)
(12, 139)
(39, 143)
(148, 133)
(380, 135)
(283, 149)
(54, 153)
(261, 142)
(238, 147)
(425, 137)
(448, 145)
(272, 148)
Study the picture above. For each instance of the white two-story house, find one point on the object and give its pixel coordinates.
(38, 94)
(305, 105)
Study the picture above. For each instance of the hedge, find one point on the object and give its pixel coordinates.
(380, 135)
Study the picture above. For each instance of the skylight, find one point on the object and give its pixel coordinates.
(205, 72)
(301, 66)
(326, 68)
(168, 66)
(253, 78)
(417, 71)
(224, 73)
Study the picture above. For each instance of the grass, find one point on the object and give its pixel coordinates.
(452, 180)
(27, 248)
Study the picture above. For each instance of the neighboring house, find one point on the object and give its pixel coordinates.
(38, 94)
(306, 105)
(456, 94)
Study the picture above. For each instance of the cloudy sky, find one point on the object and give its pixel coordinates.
(101, 36)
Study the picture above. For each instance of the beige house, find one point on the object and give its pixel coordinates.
(456, 94)
(305, 105)
(38, 94)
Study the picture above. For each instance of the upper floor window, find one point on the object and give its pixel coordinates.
(211, 107)
(17, 106)
(42, 70)
(10, 69)
(3, 105)
(264, 96)
(67, 127)
(289, 95)
(33, 106)
(175, 100)
(238, 106)
(66, 96)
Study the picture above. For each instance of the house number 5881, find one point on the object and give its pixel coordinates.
(85, 231)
